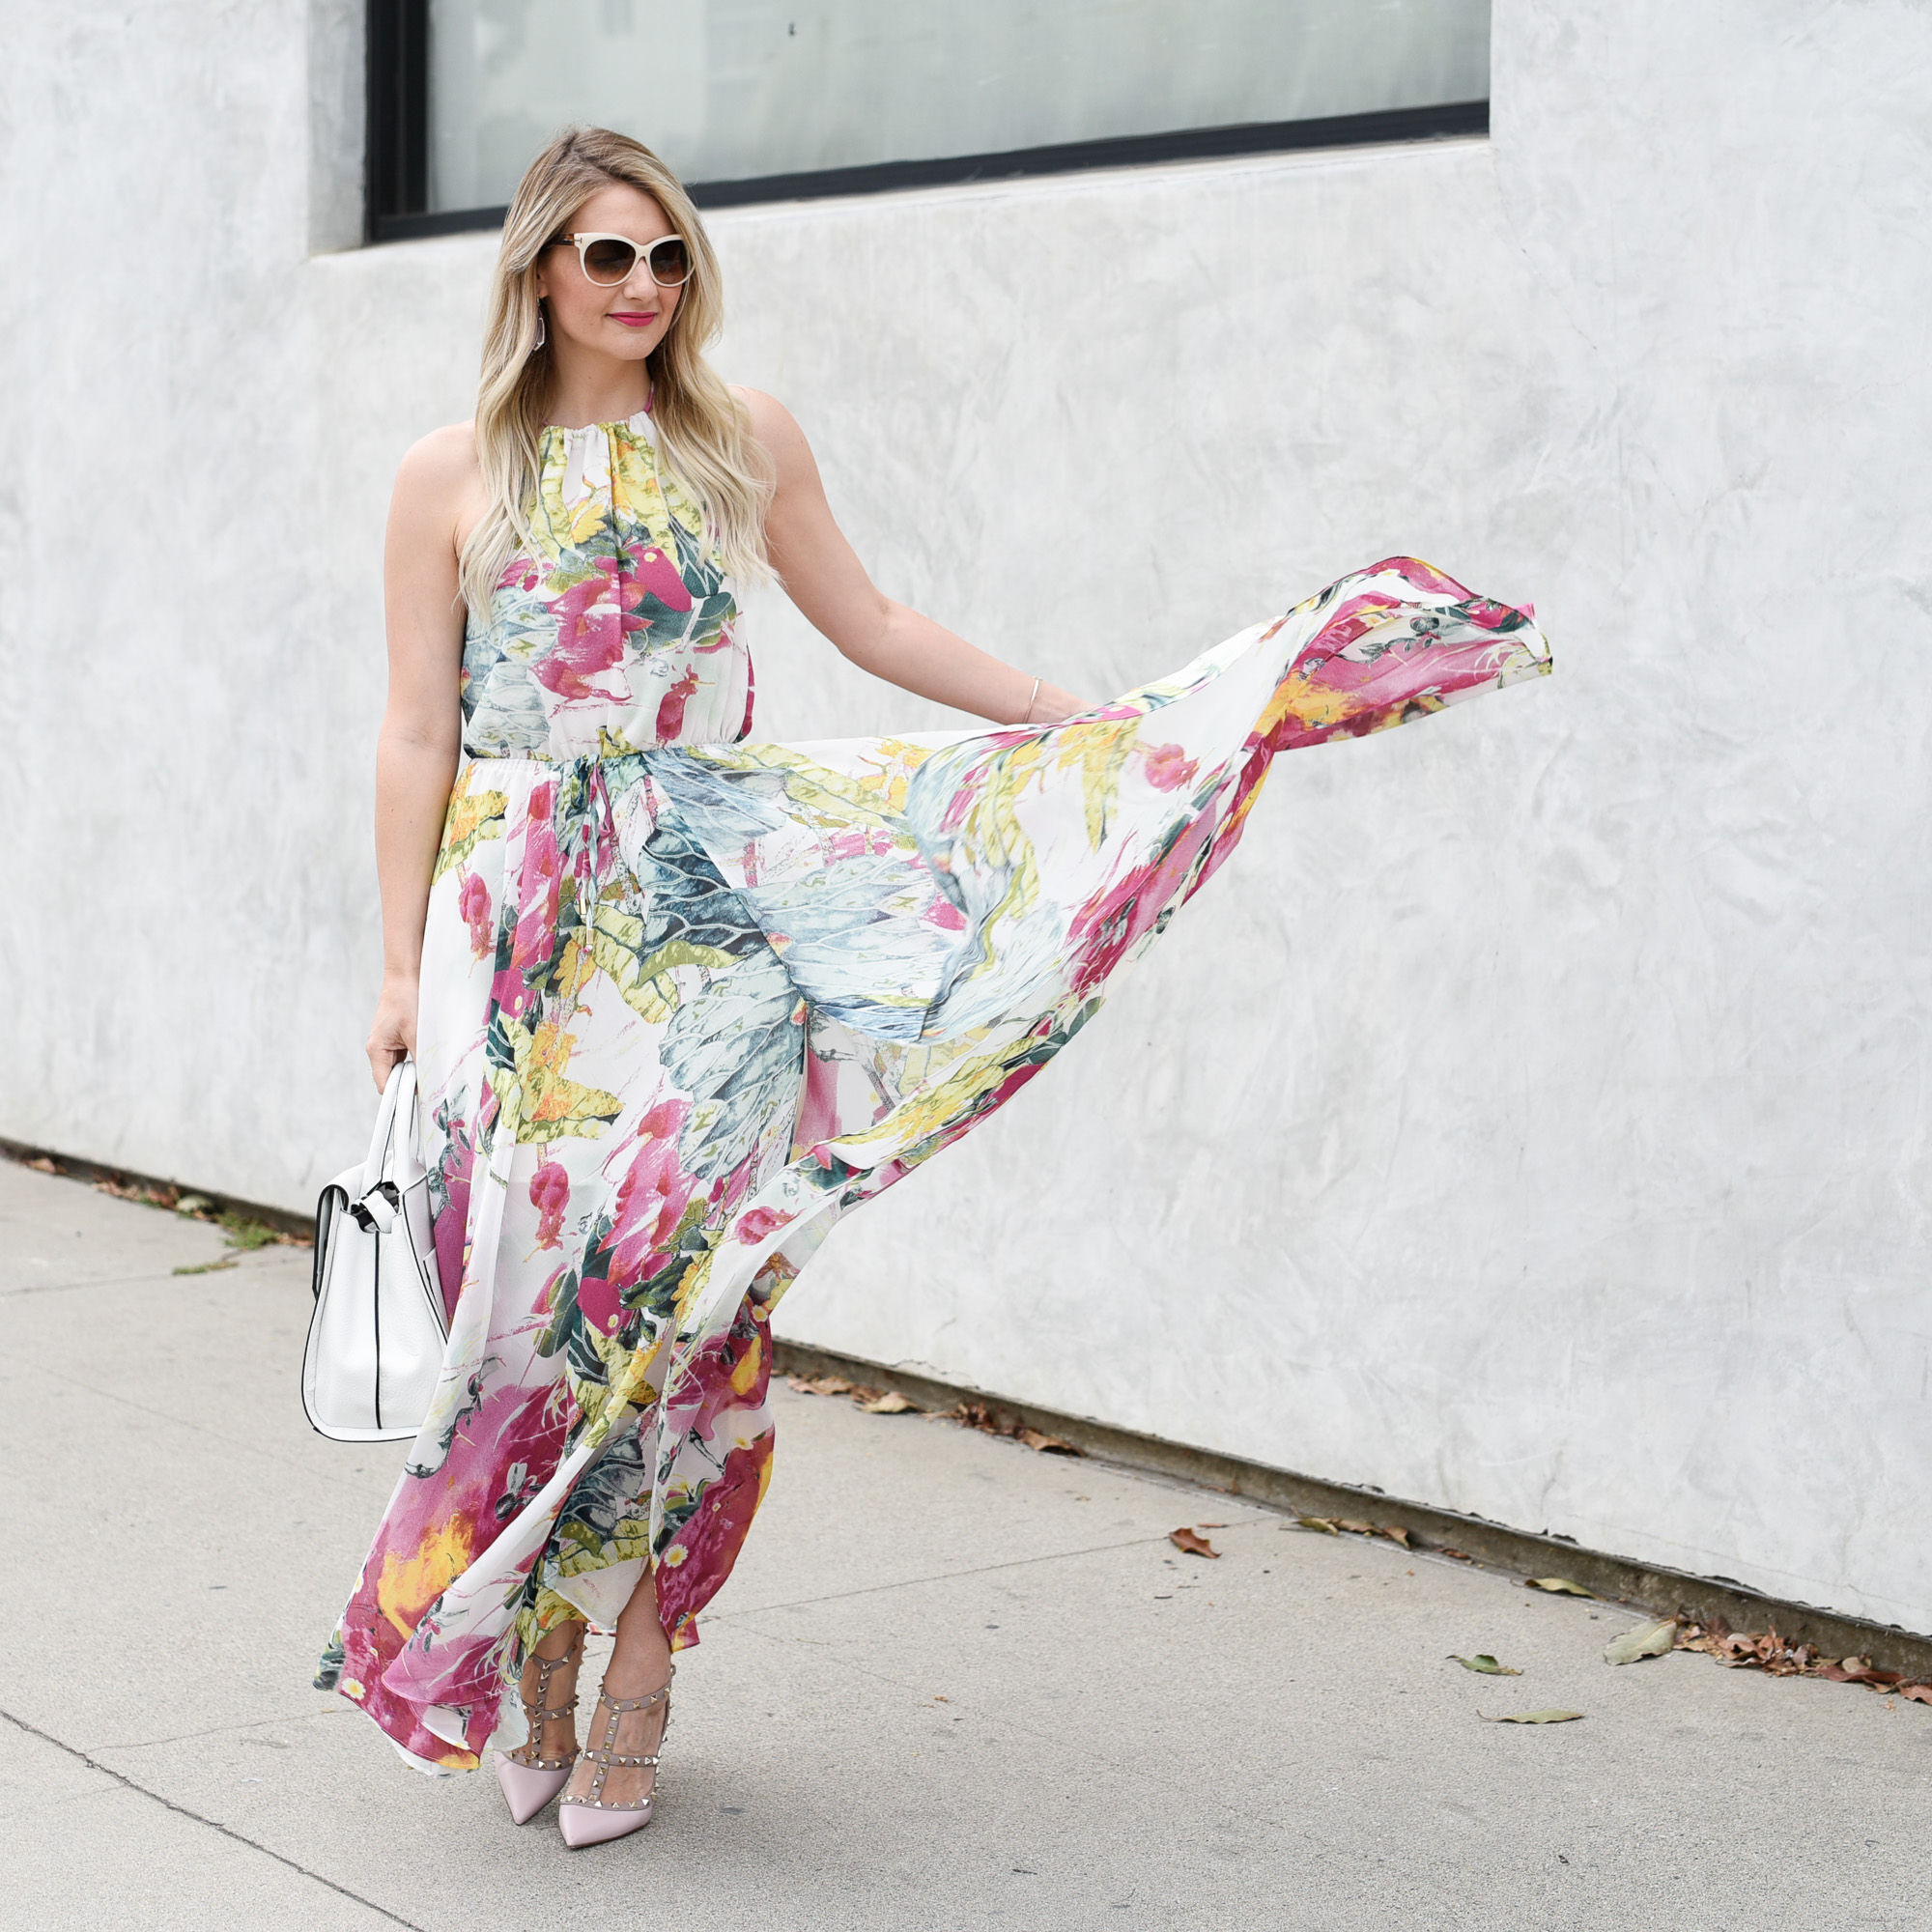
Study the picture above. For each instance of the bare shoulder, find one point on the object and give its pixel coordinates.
(443, 461)
(440, 484)
(776, 431)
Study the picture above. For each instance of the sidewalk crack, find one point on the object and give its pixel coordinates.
(79, 1286)
(213, 1824)
(341, 1710)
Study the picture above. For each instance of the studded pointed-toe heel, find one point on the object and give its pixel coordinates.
(595, 1819)
(529, 1783)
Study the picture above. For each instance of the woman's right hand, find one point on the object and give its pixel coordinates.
(393, 1035)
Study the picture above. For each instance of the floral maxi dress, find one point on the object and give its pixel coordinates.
(688, 998)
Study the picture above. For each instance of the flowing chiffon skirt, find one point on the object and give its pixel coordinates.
(684, 1006)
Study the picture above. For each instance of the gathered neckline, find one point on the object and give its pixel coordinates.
(640, 420)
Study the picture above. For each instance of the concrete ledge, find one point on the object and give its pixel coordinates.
(1493, 1545)
(74, 1168)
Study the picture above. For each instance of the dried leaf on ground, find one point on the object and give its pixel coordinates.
(1355, 1528)
(193, 1203)
(1190, 1545)
(1536, 1717)
(991, 1421)
(1456, 1555)
(892, 1402)
(819, 1384)
(1559, 1586)
(1769, 1652)
(1320, 1523)
(1396, 1534)
(1656, 1639)
(42, 1164)
(134, 1190)
(1858, 1670)
(1485, 1664)
(977, 1415)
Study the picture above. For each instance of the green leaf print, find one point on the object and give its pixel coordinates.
(620, 943)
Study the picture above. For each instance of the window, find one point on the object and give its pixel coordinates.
(770, 100)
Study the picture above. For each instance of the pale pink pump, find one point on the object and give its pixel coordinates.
(590, 1821)
(528, 1787)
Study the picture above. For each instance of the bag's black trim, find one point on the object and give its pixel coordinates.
(375, 1317)
(398, 145)
(365, 1220)
(328, 1203)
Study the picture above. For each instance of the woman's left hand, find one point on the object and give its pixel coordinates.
(393, 1034)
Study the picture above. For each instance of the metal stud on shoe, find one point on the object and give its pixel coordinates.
(529, 1784)
(616, 1821)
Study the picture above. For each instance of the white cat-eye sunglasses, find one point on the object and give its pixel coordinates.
(611, 260)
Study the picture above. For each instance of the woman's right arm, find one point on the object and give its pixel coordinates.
(437, 492)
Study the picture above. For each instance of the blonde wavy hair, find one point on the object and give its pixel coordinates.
(703, 433)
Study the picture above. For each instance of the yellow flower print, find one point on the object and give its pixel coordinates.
(552, 529)
(838, 801)
(410, 1585)
(934, 1107)
(989, 827)
(472, 818)
(1098, 753)
(691, 1286)
(639, 498)
(541, 1101)
(893, 767)
(744, 1376)
(574, 970)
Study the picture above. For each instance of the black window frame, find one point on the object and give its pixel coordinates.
(398, 145)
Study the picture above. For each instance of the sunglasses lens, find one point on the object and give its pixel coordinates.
(609, 262)
(670, 262)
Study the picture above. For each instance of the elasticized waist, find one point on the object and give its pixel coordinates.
(610, 755)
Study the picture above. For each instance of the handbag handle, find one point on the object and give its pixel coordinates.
(404, 1165)
(403, 1073)
(380, 1197)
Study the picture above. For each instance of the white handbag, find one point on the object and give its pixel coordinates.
(377, 1333)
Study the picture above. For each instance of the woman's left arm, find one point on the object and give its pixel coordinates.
(829, 585)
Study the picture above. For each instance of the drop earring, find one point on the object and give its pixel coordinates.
(542, 334)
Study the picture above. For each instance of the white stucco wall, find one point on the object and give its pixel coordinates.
(1532, 1118)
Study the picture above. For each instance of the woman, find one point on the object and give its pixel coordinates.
(677, 999)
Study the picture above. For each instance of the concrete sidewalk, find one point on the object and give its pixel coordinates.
(954, 1683)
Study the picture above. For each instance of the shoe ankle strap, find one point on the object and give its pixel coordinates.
(634, 1703)
(574, 1654)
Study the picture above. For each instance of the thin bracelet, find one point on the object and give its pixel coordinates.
(1031, 702)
